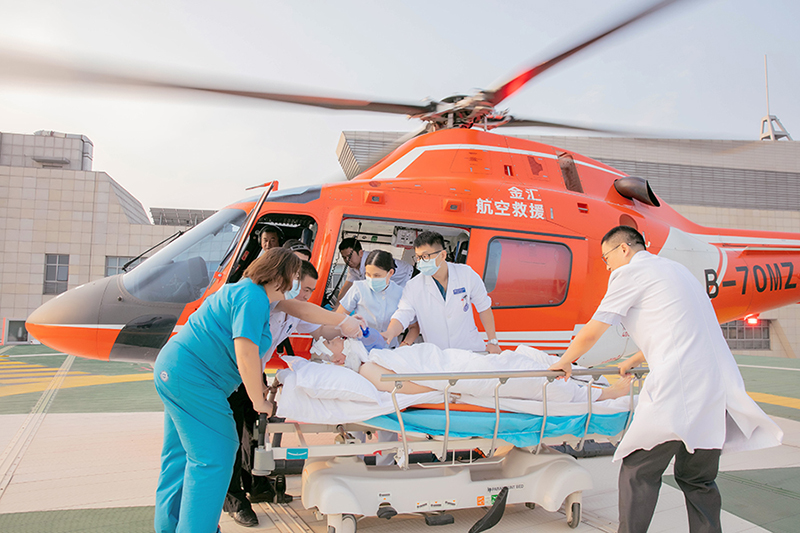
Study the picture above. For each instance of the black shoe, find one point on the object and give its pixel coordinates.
(285, 498)
(245, 517)
(259, 497)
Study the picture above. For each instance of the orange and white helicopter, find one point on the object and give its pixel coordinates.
(527, 217)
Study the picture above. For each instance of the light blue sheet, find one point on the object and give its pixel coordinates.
(518, 429)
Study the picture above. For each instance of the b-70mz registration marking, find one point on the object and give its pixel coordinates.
(772, 276)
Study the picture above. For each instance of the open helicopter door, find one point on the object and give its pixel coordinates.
(242, 253)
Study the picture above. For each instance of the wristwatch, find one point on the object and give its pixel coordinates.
(493, 341)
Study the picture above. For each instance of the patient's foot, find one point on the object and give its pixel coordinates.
(621, 388)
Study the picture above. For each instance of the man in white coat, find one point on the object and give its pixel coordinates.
(693, 405)
(441, 299)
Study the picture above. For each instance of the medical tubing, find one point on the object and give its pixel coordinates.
(589, 414)
(397, 386)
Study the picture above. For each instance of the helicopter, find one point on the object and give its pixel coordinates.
(526, 216)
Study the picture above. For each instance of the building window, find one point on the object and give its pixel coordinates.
(114, 264)
(56, 273)
(15, 332)
(742, 336)
(522, 273)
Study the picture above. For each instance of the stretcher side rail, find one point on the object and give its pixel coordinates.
(417, 444)
(503, 377)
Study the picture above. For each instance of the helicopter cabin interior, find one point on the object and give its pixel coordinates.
(519, 271)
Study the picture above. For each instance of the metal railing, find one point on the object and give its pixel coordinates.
(503, 377)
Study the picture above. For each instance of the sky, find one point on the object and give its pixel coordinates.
(694, 70)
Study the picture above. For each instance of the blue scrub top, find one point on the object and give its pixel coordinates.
(206, 341)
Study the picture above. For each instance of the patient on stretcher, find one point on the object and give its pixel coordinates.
(429, 358)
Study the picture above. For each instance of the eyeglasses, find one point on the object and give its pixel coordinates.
(605, 255)
(425, 257)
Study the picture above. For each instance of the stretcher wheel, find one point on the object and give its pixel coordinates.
(574, 515)
(342, 523)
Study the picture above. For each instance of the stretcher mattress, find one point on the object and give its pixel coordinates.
(519, 429)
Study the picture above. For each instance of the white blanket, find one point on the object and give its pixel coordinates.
(327, 393)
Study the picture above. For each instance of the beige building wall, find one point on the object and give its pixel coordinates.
(81, 213)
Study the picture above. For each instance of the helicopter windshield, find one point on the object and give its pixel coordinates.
(183, 270)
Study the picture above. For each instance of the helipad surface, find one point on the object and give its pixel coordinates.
(80, 443)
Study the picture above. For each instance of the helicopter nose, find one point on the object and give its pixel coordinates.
(71, 322)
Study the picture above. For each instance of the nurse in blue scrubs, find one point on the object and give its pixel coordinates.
(218, 349)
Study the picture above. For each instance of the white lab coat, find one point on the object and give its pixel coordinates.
(401, 275)
(450, 323)
(377, 308)
(693, 380)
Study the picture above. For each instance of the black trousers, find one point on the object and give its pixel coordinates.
(242, 481)
(640, 482)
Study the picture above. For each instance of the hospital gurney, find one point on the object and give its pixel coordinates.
(509, 459)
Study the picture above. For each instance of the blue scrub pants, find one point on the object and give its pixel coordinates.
(200, 444)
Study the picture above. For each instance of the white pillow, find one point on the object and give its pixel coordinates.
(331, 382)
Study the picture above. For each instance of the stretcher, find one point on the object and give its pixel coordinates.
(505, 456)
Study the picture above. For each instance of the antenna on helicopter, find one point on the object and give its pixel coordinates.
(771, 127)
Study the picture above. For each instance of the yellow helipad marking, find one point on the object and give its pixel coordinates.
(73, 382)
(772, 399)
(10, 380)
(32, 375)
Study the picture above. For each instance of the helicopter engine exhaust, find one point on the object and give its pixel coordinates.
(638, 189)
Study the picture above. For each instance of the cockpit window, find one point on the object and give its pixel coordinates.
(183, 270)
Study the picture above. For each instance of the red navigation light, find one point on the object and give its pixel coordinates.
(751, 320)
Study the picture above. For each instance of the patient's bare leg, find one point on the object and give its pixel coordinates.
(373, 372)
(621, 388)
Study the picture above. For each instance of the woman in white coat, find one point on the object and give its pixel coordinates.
(375, 298)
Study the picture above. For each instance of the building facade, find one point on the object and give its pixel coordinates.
(61, 223)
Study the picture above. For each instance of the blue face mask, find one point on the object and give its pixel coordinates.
(427, 266)
(293, 292)
(377, 284)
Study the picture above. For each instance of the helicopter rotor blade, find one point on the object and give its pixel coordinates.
(17, 66)
(528, 123)
(501, 92)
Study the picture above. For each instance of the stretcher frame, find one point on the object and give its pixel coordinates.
(338, 484)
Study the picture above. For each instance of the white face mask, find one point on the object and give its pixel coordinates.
(294, 291)
(377, 284)
(427, 266)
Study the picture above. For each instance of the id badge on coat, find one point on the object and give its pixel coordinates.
(464, 297)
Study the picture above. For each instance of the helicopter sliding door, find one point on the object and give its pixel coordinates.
(535, 283)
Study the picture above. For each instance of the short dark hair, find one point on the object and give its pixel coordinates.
(382, 260)
(307, 269)
(350, 242)
(269, 228)
(624, 234)
(430, 238)
(296, 245)
(276, 264)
